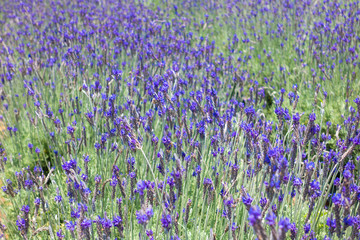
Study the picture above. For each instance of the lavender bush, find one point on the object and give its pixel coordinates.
(179, 119)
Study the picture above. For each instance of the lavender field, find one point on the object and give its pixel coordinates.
(179, 119)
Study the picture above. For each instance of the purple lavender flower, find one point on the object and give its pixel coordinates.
(58, 198)
(263, 202)
(21, 224)
(255, 218)
(293, 231)
(60, 235)
(70, 225)
(166, 221)
(117, 221)
(331, 223)
(337, 199)
(86, 223)
(284, 226)
(254, 215)
(142, 218)
(271, 219)
(307, 228)
(347, 174)
(247, 200)
(297, 182)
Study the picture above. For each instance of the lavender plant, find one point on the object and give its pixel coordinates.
(179, 119)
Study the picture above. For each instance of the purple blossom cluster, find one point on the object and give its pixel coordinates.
(130, 119)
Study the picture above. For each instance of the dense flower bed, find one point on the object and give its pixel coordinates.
(179, 120)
